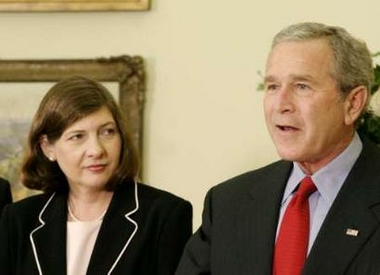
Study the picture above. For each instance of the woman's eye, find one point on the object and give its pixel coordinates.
(109, 131)
(76, 137)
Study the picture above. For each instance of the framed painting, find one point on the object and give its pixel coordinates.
(74, 5)
(24, 82)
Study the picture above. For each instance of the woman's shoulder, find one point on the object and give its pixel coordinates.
(162, 204)
(29, 204)
(149, 192)
(149, 197)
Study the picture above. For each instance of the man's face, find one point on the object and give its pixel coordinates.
(304, 110)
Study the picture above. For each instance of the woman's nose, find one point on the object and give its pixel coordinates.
(95, 147)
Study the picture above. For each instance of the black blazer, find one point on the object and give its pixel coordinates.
(143, 232)
(240, 218)
(5, 193)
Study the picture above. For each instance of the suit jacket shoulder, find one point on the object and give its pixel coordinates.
(254, 182)
(238, 224)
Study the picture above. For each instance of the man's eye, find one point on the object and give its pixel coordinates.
(302, 86)
(271, 87)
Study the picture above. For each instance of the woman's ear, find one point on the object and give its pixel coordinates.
(47, 148)
(356, 101)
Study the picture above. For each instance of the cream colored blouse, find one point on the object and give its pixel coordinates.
(81, 237)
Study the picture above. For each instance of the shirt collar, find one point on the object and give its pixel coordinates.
(331, 177)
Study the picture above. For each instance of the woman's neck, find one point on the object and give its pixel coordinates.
(88, 206)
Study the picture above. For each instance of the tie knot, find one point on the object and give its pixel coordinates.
(306, 188)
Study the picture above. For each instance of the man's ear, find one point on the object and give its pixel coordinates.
(47, 148)
(355, 102)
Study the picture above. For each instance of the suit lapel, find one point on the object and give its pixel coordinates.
(257, 220)
(336, 245)
(117, 230)
(48, 239)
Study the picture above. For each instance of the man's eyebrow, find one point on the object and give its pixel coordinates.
(269, 78)
(304, 77)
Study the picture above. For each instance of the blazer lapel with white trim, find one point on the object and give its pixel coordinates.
(48, 239)
(117, 231)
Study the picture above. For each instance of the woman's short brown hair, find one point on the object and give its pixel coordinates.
(65, 103)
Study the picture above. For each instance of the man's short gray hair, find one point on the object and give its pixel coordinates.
(352, 60)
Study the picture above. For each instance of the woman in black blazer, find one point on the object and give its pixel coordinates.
(93, 217)
(5, 193)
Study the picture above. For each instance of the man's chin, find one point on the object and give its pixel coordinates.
(288, 155)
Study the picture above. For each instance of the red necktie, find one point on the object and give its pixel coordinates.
(292, 241)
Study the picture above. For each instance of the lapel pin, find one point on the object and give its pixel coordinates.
(352, 232)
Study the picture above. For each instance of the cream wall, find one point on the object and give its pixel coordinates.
(203, 116)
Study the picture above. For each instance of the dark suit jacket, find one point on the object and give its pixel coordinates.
(5, 193)
(143, 232)
(240, 218)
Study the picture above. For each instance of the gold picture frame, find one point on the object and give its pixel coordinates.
(127, 72)
(73, 5)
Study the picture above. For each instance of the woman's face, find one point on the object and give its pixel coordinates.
(88, 152)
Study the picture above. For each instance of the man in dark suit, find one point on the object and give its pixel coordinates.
(317, 83)
(5, 193)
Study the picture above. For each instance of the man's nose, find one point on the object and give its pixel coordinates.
(284, 99)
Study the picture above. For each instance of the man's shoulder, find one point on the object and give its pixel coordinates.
(370, 150)
(267, 181)
(247, 180)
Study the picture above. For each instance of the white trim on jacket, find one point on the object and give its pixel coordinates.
(133, 233)
(127, 216)
(35, 230)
